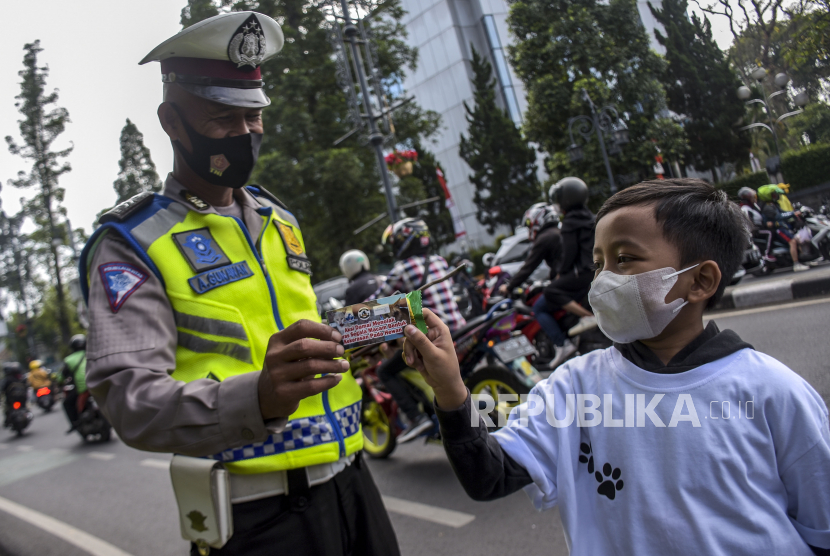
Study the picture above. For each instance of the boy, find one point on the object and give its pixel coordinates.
(685, 439)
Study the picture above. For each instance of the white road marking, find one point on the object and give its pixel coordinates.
(25, 448)
(707, 318)
(442, 516)
(157, 463)
(103, 456)
(83, 540)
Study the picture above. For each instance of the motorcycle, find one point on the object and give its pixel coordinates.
(466, 292)
(91, 423)
(586, 341)
(19, 417)
(819, 225)
(45, 398)
(493, 357)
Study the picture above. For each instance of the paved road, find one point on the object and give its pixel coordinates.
(123, 496)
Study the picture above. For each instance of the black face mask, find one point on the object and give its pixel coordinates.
(228, 161)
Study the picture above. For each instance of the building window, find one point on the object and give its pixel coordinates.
(502, 73)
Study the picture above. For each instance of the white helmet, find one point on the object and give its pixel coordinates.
(353, 262)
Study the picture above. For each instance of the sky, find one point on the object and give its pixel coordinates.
(93, 53)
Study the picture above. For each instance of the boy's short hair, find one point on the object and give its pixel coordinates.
(696, 218)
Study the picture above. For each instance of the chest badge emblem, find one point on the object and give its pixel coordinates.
(200, 249)
(291, 240)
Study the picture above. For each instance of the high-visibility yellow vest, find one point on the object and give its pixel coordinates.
(230, 292)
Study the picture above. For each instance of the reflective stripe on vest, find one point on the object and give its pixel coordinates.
(223, 330)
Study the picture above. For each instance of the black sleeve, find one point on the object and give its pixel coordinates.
(537, 254)
(570, 250)
(485, 471)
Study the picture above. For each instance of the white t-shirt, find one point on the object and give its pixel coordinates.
(733, 457)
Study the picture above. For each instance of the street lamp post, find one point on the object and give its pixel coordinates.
(781, 81)
(605, 121)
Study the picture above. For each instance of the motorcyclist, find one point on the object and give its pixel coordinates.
(779, 221)
(74, 372)
(542, 221)
(38, 376)
(13, 387)
(757, 227)
(414, 267)
(354, 265)
(575, 270)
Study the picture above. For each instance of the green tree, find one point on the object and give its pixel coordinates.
(782, 37)
(197, 10)
(564, 46)
(17, 268)
(136, 173)
(814, 122)
(42, 124)
(319, 182)
(697, 74)
(504, 165)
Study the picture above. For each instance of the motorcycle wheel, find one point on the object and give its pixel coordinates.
(496, 382)
(544, 347)
(378, 434)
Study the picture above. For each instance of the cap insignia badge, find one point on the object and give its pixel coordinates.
(247, 47)
(218, 164)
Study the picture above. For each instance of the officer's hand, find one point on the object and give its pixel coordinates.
(293, 359)
(434, 356)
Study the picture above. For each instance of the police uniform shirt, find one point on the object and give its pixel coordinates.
(132, 352)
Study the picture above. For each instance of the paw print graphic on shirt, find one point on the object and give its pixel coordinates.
(586, 457)
(609, 487)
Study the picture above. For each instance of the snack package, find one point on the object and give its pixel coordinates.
(381, 320)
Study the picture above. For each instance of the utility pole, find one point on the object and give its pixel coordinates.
(355, 36)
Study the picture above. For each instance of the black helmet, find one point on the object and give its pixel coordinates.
(569, 193)
(407, 237)
(12, 368)
(77, 342)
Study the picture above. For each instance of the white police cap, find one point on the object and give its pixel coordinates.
(219, 58)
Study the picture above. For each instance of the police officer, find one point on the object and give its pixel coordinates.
(204, 337)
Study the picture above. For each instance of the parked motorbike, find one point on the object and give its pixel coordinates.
(492, 356)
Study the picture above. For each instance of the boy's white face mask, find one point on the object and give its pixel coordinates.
(633, 307)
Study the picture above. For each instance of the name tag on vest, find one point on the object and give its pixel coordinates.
(211, 279)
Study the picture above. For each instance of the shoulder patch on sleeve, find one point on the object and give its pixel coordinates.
(128, 207)
(120, 281)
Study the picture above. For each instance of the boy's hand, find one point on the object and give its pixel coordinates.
(434, 356)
